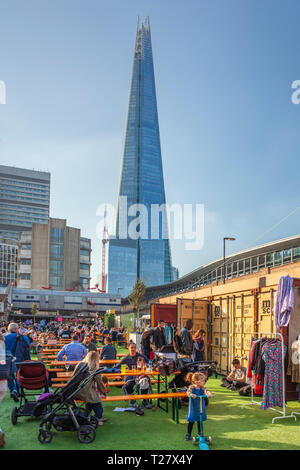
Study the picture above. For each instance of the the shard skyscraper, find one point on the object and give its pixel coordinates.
(148, 256)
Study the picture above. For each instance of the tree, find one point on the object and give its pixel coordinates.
(136, 296)
(34, 309)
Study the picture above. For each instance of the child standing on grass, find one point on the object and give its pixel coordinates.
(195, 390)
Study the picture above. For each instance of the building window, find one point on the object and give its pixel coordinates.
(296, 253)
(56, 281)
(25, 247)
(241, 268)
(278, 258)
(262, 261)
(247, 266)
(57, 235)
(84, 252)
(57, 251)
(270, 260)
(234, 270)
(254, 264)
(57, 267)
(24, 276)
(287, 256)
(25, 261)
(229, 267)
(84, 266)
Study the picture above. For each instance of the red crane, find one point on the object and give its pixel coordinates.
(105, 240)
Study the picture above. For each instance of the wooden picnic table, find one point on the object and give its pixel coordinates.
(103, 361)
(46, 351)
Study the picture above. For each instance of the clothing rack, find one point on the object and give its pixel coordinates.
(256, 335)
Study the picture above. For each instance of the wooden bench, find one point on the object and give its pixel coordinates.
(61, 382)
(175, 396)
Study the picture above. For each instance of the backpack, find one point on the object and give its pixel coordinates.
(21, 349)
(6, 368)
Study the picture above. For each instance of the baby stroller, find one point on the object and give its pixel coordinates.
(167, 352)
(185, 365)
(64, 414)
(31, 375)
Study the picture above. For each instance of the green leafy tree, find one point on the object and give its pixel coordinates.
(34, 309)
(136, 296)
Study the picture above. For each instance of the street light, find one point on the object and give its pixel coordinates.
(224, 240)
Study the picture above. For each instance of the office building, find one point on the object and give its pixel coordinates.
(24, 199)
(54, 256)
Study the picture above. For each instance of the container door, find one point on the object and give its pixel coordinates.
(220, 333)
(265, 318)
(242, 326)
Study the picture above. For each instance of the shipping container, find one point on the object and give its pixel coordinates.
(165, 312)
(199, 312)
(237, 317)
(233, 321)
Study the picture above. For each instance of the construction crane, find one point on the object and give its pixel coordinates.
(105, 240)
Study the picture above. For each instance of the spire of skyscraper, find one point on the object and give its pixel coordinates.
(141, 180)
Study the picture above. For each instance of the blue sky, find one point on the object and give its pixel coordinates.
(230, 134)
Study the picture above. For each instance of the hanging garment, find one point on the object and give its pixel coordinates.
(284, 302)
(258, 384)
(249, 372)
(170, 334)
(167, 334)
(273, 386)
(294, 363)
(257, 363)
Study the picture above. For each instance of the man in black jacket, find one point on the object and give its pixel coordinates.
(108, 351)
(186, 338)
(159, 335)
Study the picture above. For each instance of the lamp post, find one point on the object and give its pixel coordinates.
(224, 241)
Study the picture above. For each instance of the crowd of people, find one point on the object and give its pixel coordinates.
(20, 340)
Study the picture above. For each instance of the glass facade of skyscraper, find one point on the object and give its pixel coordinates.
(142, 182)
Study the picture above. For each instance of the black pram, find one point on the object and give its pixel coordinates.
(65, 415)
(184, 365)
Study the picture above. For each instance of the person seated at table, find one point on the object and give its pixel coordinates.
(51, 339)
(91, 392)
(90, 343)
(131, 361)
(66, 333)
(108, 351)
(120, 338)
(236, 378)
(73, 351)
(114, 334)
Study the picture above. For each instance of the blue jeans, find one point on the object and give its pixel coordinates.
(12, 382)
(97, 407)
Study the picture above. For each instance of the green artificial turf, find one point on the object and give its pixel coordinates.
(230, 425)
